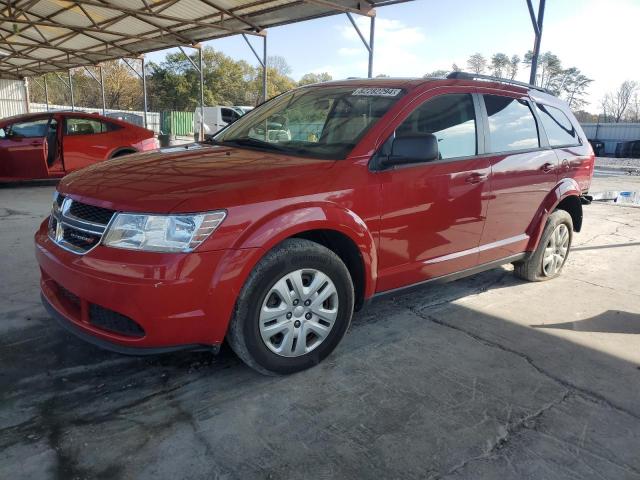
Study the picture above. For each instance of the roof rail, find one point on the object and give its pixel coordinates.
(473, 76)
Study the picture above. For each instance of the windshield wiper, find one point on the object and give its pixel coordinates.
(252, 142)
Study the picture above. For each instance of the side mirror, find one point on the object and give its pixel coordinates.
(415, 148)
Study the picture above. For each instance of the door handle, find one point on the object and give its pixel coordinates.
(547, 167)
(476, 177)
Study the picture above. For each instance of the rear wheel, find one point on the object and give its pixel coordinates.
(552, 252)
(293, 310)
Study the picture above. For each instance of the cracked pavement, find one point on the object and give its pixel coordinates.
(487, 377)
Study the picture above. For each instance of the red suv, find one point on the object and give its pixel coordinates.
(50, 145)
(309, 206)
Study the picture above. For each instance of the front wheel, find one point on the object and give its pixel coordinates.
(293, 310)
(552, 252)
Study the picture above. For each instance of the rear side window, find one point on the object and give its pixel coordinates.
(84, 126)
(558, 127)
(512, 125)
(32, 129)
(451, 118)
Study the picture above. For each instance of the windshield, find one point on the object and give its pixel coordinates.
(324, 122)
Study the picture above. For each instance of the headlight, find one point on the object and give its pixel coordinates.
(162, 233)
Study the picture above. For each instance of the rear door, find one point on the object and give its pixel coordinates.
(433, 213)
(573, 151)
(523, 172)
(85, 141)
(23, 149)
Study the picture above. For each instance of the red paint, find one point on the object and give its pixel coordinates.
(26, 158)
(410, 223)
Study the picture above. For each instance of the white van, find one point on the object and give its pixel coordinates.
(215, 118)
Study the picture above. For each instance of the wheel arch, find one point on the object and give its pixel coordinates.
(120, 151)
(334, 227)
(565, 196)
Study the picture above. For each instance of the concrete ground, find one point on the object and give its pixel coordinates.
(487, 377)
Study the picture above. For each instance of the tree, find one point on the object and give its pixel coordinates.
(499, 64)
(549, 69)
(455, 68)
(123, 89)
(514, 63)
(309, 78)
(436, 74)
(477, 63)
(573, 87)
(614, 104)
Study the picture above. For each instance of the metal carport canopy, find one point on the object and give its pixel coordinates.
(40, 36)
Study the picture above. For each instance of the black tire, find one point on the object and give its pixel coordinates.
(244, 332)
(531, 268)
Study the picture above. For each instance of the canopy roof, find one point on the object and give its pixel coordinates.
(40, 36)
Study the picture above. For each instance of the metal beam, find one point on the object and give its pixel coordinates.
(104, 100)
(46, 92)
(201, 70)
(73, 103)
(264, 69)
(367, 44)
(537, 23)
(262, 61)
(144, 92)
(368, 11)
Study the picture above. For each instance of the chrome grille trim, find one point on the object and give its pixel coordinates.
(67, 223)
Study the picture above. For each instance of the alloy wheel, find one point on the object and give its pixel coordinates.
(556, 250)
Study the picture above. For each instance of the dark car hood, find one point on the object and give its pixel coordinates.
(181, 179)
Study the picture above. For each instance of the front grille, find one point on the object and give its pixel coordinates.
(77, 227)
(111, 321)
(80, 239)
(69, 297)
(90, 213)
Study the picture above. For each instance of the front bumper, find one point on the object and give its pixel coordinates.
(173, 301)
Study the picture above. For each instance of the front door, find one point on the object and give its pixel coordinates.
(433, 213)
(523, 172)
(23, 149)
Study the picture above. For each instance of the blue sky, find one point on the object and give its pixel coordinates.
(425, 35)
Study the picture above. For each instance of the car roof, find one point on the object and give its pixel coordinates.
(413, 83)
(65, 113)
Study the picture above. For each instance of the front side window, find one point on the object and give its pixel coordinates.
(32, 129)
(512, 125)
(559, 129)
(324, 122)
(451, 118)
(84, 126)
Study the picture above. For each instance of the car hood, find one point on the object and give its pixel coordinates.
(191, 178)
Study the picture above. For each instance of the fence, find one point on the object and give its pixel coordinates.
(612, 134)
(12, 100)
(153, 118)
(177, 123)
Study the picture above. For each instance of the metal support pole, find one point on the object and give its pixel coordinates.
(537, 28)
(104, 101)
(264, 69)
(144, 92)
(201, 94)
(46, 92)
(372, 34)
(368, 45)
(73, 106)
(262, 61)
(27, 102)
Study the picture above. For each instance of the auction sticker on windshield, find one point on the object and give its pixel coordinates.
(377, 92)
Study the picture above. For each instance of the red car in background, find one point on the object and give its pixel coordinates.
(50, 145)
